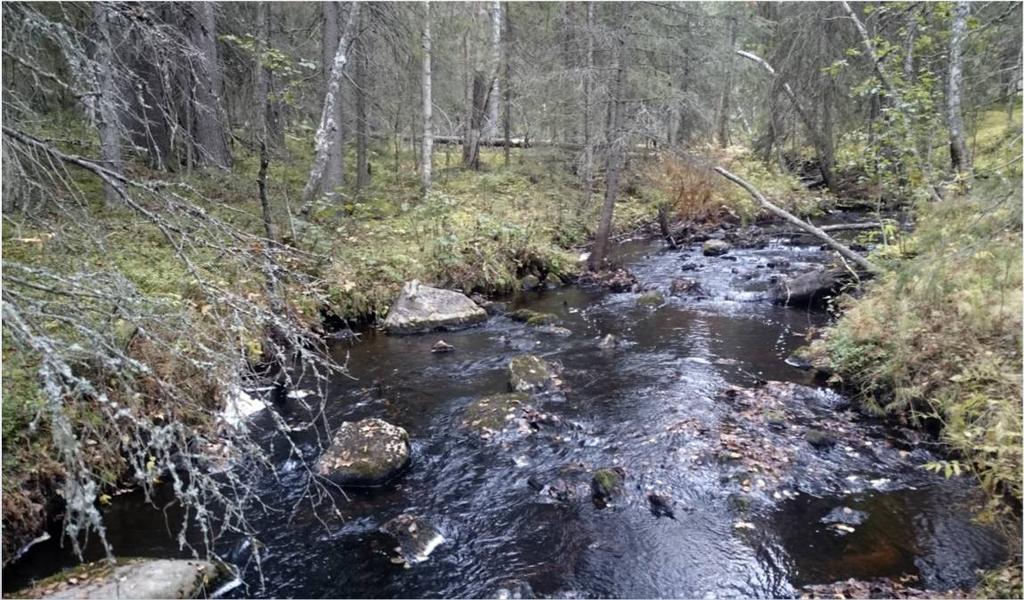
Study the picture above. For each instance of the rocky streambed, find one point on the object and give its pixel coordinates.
(651, 442)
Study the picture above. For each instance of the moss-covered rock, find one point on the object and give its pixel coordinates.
(530, 373)
(493, 413)
(530, 282)
(414, 537)
(607, 484)
(367, 452)
(532, 317)
(652, 299)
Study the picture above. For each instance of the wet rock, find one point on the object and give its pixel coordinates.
(683, 286)
(807, 288)
(532, 317)
(609, 342)
(844, 515)
(530, 282)
(423, 308)
(813, 356)
(415, 537)
(819, 439)
(534, 483)
(441, 346)
(716, 247)
(367, 452)
(903, 587)
(554, 330)
(775, 419)
(495, 308)
(552, 282)
(530, 373)
(492, 413)
(651, 299)
(134, 578)
(607, 484)
(661, 505)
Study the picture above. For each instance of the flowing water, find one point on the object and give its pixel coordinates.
(656, 406)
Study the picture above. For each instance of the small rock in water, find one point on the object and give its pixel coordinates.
(844, 515)
(819, 439)
(415, 537)
(652, 299)
(661, 505)
(716, 247)
(606, 484)
(608, 342)
(441, 346)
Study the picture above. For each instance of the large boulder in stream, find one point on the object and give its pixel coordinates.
(423, 308)
(365, 453)
(807, 288)
(132, 578)
(530, 373)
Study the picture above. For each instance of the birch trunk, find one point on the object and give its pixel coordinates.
(506, 44)
(427, 153)
(959, 156)
(334, 171)
(328, 115)
(616, 141)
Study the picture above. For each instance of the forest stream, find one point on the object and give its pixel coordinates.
(743, 503)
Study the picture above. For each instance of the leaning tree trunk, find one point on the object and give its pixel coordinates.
(334, 171)
(427, 152)
(959, 156)
(105, 108)
(822, 144)
(328, 115)
(210, 120)
(616, 142)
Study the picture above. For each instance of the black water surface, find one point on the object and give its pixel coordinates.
(621, 405)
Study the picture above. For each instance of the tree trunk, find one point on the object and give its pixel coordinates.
(362, 125)
(724, 109)
(328, 115)
(588, 102)
(270, 119)
(507, 86)
(959, 156)
(616, 141)
(210, 123)
(482, 95)
(494, 93)
(104, 103)
(427, 154)
(334, 171)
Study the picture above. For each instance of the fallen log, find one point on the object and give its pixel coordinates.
(844, 227)
(811, 229)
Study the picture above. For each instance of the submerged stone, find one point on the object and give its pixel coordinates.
(422, 308)
(819, 439)
(367, 452)
(652, 299)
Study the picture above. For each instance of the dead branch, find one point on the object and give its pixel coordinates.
(815, 231)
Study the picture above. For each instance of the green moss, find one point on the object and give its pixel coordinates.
(652, 299)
